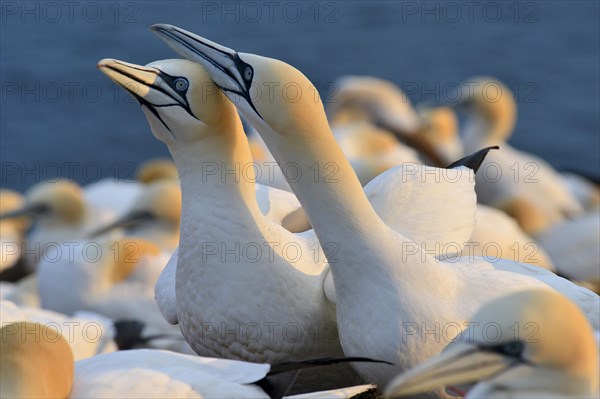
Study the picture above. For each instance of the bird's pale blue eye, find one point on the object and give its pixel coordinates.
(247, 73)
(181, 84)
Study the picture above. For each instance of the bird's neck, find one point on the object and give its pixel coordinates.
(217, 179)
(325, 183)
(480, 131)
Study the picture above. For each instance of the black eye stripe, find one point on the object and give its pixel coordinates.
(170, 81)
(239, 65)
(512, 349)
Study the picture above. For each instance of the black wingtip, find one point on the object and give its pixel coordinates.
(325, 361)
(474, 160)
(128, 333)
(282, 376)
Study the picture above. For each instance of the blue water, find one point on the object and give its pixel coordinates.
(60, 116)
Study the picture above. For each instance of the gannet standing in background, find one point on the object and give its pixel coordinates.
(534, 344)
(538, 197)
(380, 102)
(371, 267)
(59, 212)
(120, 194)
(524, 181)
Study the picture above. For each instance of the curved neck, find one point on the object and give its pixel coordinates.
(324, 182)
(217, 179)
(480, 130)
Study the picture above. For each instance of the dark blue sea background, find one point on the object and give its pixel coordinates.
(60, 116)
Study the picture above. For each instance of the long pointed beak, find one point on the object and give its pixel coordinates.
(474, 160)
(223, 64)
(28, 211)
(414, 140)
(136, 79)
(129, 220)
(145, 84)
(458, 364)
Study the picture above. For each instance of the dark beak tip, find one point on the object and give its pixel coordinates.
(158, 28)
(473, 161)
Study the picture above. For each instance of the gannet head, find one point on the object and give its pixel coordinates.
(157, 169)
(440, 129)
(273, 96)
(366, 97)
(11, 201)
(492, 101)
(158, 207)
(36, 362)
(178, 97)
(530, 341)
(60, 202)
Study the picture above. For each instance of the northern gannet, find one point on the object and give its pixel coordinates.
(60, 212)
(37, 362)
(119, 194)
(514, 181)
(378, 287)
(87, 333)
(530, 344)
(154, 216)
(380, 102)
(114, 278)
(538, 197)
(235, 268)
(157, 169)
(243, 224)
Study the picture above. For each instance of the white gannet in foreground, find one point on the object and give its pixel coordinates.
(380, 289)
(12, 231)
(531, 344)
(514, 181)
(154, 216)
(264, 277)
(37, 362)
(87, 333)
(234, 267)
